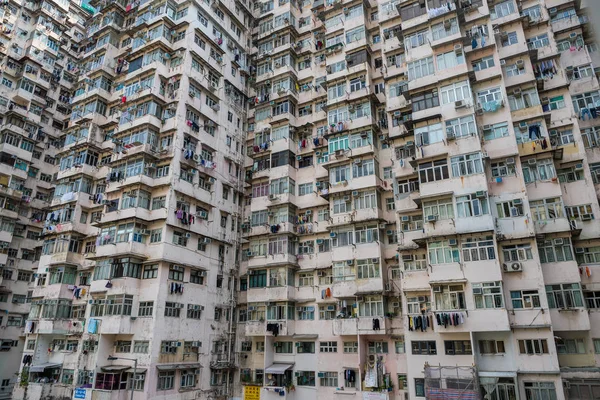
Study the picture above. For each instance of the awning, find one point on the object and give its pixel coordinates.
(305, 300)
(115, 368)
(497, 374)
(42, 367)
(137, 370)
(171, 367)
(434, 195)
(278, 368)
(305, 337)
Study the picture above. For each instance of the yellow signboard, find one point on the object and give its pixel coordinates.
(251, 392)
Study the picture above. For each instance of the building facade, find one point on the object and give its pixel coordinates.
(422, 201)
(122, 177)
(226, 199)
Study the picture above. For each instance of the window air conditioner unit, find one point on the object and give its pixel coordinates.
(432, 218)
(558, 241)
(587, 217)
(355, 193)
(349, 262)
(517, 92)
(520, 64)
(458, 49)
(532, 161)
(477, 291)
(510, 161)
(437, 289)
(517, 202)
(452, 242)
(579, 250)
(579, 167)
(405, 218)
(459, 104)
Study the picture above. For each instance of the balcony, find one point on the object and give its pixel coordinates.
(345, 327)
(571, 319)
(117, 325)
(529, 318)
(567, 24)
(352, 288)
(271, 293)
(59, 326)
(552, 226)
(489, 320)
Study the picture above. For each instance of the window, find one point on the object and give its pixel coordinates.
(423, 347)
(378, 347)
(328, 347)
(433, 171)
(555, 250)
(429, 134)
(483, 63)
(329, 379)
(146, 308)
(583, 212)
(533, 346)
(305, 378)
(166, 380)
(306, 313)
(368, 268)
(443, 209)
(284, 347)
(425, 101)
(67, 376)
(141, 346)
(150, 271)
(173, 309)
(399, 346)
(521, 252)
(539, 390)
(472, 205)
(566, 295)
(176, 272)
(467, 164)
(495, 131)
(570, 174)
(547, 209)
(478, 249)
(541, 170)
(502, 9)
(188, 378)
(123, 346)
(449, 60)
(443, 252)
(525, 299)
(488, 295)
(194, 311)
(371, 306)
(449, 297)
(461, 127)
(305, 347)
(456, 91)
(458, 347)
(420, 68)
(351, 347)
(503, 168)
(491, 347)
(570, 346)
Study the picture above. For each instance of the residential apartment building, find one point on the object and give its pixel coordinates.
(122, 190)
(37, 40)
(421, 213)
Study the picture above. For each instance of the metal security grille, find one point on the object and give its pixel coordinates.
(451, 383)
